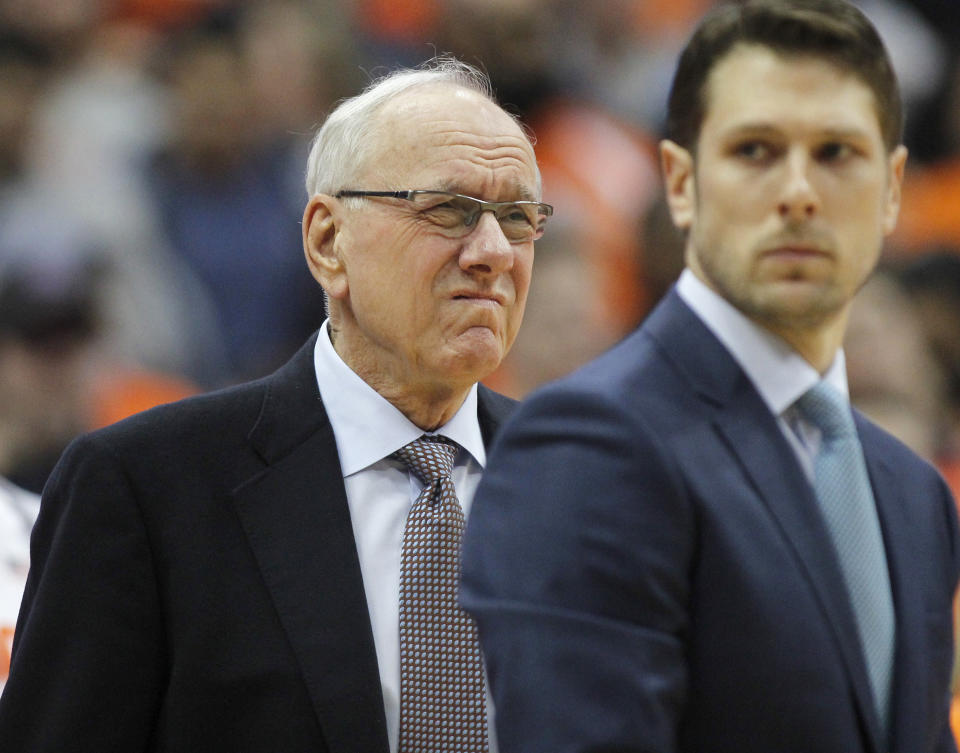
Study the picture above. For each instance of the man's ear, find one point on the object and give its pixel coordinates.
(321, 227)
(678, 178)
(891, 208)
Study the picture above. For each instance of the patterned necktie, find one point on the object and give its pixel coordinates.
(846, 500)
(442, 696)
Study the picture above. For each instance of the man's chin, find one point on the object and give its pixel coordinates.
(795, 303)
(476, 353)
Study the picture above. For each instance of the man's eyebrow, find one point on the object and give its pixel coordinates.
(752, 127)
(524, 192)
(521, 190)
(763, 128)
(845, 133)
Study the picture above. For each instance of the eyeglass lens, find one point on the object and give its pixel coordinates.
(456, 215)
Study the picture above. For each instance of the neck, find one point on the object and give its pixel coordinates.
(427, 404)
(817, 344)
(815, 336)
(425, 411)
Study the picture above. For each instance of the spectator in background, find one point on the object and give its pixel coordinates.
(71, 135)
(894, 375)
(18, 511)
(60, 372)
(49, 322)
(24, 68)
(227, 204)
(299, 63)
(932, 281)
(517, 42)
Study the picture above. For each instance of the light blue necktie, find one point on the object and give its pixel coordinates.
(846, 500)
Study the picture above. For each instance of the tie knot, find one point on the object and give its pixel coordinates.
(429, 457)
(826, 408)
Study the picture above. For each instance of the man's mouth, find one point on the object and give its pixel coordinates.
(479, 297)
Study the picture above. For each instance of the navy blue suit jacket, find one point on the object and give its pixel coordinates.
(649, 570)
(195, 586)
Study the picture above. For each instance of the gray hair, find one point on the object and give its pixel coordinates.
(343, 144)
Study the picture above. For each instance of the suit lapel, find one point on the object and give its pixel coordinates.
(766, 458)
(492, 410)
(296, 518)
(907, 703)
(753, 436)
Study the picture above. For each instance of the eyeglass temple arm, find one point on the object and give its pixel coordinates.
(388, 194)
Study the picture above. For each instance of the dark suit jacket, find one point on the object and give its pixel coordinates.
(195, 586)
(649, 570)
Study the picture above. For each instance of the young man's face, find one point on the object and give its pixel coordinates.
(791, 190)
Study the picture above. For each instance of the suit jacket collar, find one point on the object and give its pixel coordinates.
(779, 373)
(295, 514)
(750, 431)
(290, 414)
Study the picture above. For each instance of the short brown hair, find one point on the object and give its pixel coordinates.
(833, 30)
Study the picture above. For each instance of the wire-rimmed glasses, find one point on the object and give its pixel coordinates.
(455, 215)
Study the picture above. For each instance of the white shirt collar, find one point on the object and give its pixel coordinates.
(780, 374)
(367, 427)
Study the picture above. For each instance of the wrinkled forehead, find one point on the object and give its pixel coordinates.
(453, 137)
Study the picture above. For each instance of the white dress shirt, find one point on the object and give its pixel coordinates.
(380, 493)
(779, 373)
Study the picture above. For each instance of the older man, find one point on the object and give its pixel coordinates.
(694, 544)
(273, 567)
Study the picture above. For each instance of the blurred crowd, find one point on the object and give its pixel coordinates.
(151, 163)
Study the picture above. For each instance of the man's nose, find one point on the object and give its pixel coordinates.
(798, 198)
(485, 248)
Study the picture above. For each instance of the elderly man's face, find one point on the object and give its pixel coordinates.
(419, 309)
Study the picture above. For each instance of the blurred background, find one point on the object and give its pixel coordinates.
(151, 162)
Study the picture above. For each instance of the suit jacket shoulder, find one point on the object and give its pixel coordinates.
(645, 530)
(194, 566)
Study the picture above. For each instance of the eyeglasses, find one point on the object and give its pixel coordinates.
(455, 215)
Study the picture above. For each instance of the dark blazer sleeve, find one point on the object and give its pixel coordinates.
(649, 570)
(582, 654)
(89, 648)
(154, 620)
